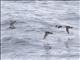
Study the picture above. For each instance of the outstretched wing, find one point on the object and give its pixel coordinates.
(45, 35)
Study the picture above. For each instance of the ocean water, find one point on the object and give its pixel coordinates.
(23, 26)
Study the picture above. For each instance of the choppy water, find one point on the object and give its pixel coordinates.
(25, 41)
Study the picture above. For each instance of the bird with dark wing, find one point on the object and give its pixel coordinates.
(12, 24)
(67, 28)
(58, 26)
(47, 33)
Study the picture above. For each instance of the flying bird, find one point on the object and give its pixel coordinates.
(46, 34)
(67, 28)
(12, 24)
(58, 26)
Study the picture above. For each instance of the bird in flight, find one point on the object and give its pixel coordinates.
(12, 24)
(67, 28)
(46, 34)
(58, 26)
